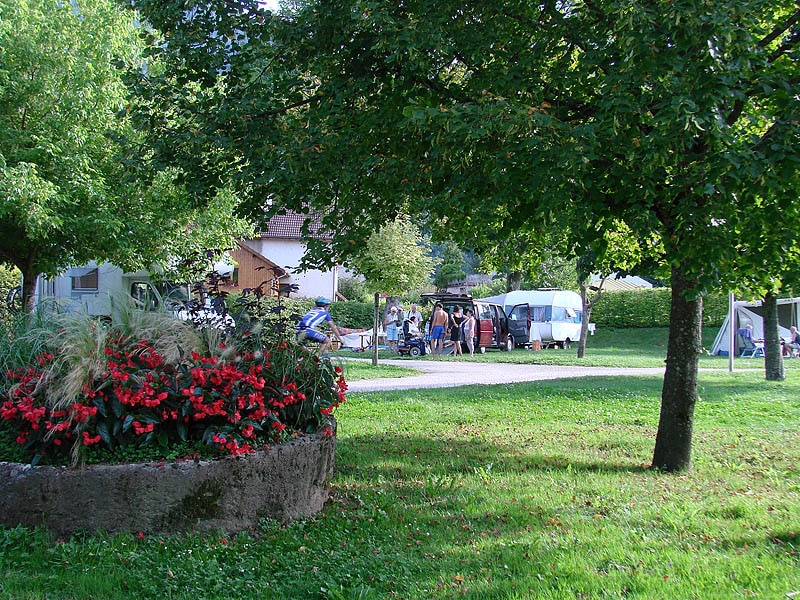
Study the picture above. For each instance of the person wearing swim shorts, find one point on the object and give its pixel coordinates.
(438, 324)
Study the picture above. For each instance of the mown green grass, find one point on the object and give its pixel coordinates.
(537, 490)
(609, 347)
(362, 369)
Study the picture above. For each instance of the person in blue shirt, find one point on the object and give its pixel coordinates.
(307, 328)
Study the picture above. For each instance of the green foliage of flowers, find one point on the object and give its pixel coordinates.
(78, 382)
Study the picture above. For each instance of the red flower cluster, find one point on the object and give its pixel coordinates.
(238, 405)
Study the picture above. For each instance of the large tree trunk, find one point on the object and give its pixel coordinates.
(513, 281)
(673, 450)
(772, 341)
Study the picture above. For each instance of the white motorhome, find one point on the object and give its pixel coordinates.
(89, 289)
(552, 315)
(93, 288)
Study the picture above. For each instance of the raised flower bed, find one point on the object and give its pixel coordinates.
(286, 481)
(92, 393)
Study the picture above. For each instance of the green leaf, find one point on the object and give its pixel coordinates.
(105, 434)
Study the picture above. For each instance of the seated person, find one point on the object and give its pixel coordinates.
(794, 343)
(747, 333)
(411, 328)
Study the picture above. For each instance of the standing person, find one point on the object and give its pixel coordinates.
(414, 312)
(456, 334)
(438, 323)
(468, 327)
(392, 326)
(307, 327)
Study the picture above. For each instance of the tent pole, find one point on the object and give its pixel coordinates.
(731, 330)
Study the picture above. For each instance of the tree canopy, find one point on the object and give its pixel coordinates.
(64, 197)
(394, 259)
(491, 119)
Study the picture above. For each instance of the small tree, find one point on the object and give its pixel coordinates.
(451, 268)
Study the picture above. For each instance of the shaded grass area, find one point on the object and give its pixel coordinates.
(537, 490)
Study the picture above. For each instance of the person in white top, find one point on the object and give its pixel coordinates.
(468, 326)
(414, 312)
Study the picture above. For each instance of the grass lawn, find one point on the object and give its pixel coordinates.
(609, 347)
(537, 490)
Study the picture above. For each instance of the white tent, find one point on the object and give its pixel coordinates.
(752, 313)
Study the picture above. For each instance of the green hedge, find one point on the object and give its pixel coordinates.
(353, 315)
(650, 308)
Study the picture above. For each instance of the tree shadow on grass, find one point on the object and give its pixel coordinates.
(397, 456)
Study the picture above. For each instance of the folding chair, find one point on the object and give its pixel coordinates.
(749, 348)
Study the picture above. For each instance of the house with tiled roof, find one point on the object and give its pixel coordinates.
(274, 256)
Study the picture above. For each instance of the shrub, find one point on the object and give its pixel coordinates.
(149, 379)
(9, 279)
(353, 315)
(353, 289)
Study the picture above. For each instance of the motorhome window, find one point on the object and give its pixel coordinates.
(538, 314)
(559, 314)
(144, 295)
(87, 281)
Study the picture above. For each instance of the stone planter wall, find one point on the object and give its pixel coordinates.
(286, 482)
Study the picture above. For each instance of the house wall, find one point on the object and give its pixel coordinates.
(287, 254)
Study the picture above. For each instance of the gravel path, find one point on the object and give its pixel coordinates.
(452, 373)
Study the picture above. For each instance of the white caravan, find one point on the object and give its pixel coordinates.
(552, 315)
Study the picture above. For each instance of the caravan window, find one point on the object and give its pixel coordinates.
(538, 314)
(566, 315)
(574, 316)
(85, 280)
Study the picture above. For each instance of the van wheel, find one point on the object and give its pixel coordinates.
(509, 345)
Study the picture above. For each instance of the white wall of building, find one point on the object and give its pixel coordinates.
(287, 254)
